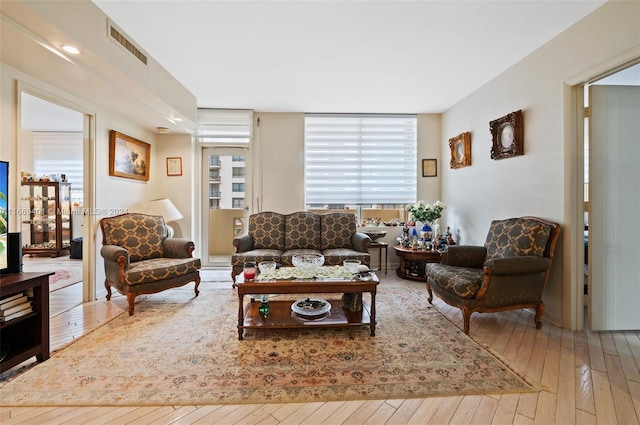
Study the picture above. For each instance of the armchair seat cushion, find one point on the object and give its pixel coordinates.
(460, 281)
(160, 269)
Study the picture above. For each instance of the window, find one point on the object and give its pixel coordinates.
(238, 187)
(238, 172)
(60, 153)
(355, 160)
(238, 203)
(226, 126)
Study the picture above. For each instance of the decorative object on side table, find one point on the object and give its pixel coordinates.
(374, 234)
(507, 134)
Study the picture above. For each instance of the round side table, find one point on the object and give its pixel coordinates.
(413, 261)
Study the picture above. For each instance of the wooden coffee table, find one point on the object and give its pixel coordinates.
(282, 317)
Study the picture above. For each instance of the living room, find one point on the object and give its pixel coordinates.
(542, 182)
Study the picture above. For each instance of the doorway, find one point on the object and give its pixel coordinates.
(50, 148)
(611, 232)
(226, 195)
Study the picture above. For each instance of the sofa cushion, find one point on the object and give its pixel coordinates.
(267, 230)
(302, 231)
(257, 255)
(337, 229)
(140, 234)
(334, 256)
(516, 236)
(287, 257)
(460, 281)
(157, 269)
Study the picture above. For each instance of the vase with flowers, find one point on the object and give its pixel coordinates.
(427, 214)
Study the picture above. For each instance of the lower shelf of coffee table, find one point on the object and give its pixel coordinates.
(282, 317)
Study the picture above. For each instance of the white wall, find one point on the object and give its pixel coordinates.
(536, 183)
(173, 187)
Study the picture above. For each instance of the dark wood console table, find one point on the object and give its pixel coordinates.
(413, 261)
(28, 335)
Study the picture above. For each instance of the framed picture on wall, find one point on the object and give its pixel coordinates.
(128, 157)
(429, 168)
(507, 134)
(460, 150)
(174, 166)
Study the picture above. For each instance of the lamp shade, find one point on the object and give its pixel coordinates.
(165, 208)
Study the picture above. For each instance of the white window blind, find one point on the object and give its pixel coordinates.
(360, 159)
(60, 153)
(229, 126)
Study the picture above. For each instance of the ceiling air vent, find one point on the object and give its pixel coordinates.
(118, 36)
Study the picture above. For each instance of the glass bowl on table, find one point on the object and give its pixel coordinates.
(351, 265)
(267, 267)
(308, 263)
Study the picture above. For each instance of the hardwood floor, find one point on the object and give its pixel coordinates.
(584, 377)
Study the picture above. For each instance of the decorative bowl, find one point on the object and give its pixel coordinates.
(308, 263)
(375, 234)
(311, 307)
(267, 266)
(351, 265)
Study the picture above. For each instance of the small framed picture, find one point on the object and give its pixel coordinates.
(429, 167)
(460, 150)
(174, 166)
(128, 157)
(507, 134)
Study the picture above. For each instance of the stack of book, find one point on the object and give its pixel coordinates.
(14, 306)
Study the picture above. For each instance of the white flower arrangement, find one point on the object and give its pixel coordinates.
(426, 213)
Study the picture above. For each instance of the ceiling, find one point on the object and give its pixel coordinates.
(340, 56)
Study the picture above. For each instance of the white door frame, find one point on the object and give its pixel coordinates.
(89, 224)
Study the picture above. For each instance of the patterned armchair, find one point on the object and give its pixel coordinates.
(509, 272)
(139, 259)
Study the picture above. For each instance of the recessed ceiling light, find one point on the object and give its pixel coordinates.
(71, 49)
(177, 119)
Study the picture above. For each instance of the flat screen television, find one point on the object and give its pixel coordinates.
(4, 216)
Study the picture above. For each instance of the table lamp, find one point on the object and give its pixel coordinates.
(167, 210)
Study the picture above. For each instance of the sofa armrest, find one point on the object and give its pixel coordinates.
(360, 242)
(243, 243)
(465, 256)
(177, 248)
(523, 264)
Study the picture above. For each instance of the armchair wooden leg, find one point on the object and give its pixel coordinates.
(108, 287)
(430, 291)
(197, 284)
(131, 298)
(539, 313)
(466, 315)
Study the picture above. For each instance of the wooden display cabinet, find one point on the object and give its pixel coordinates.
(46, 218)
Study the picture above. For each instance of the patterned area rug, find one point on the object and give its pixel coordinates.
(181, 350)
(67, 271)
